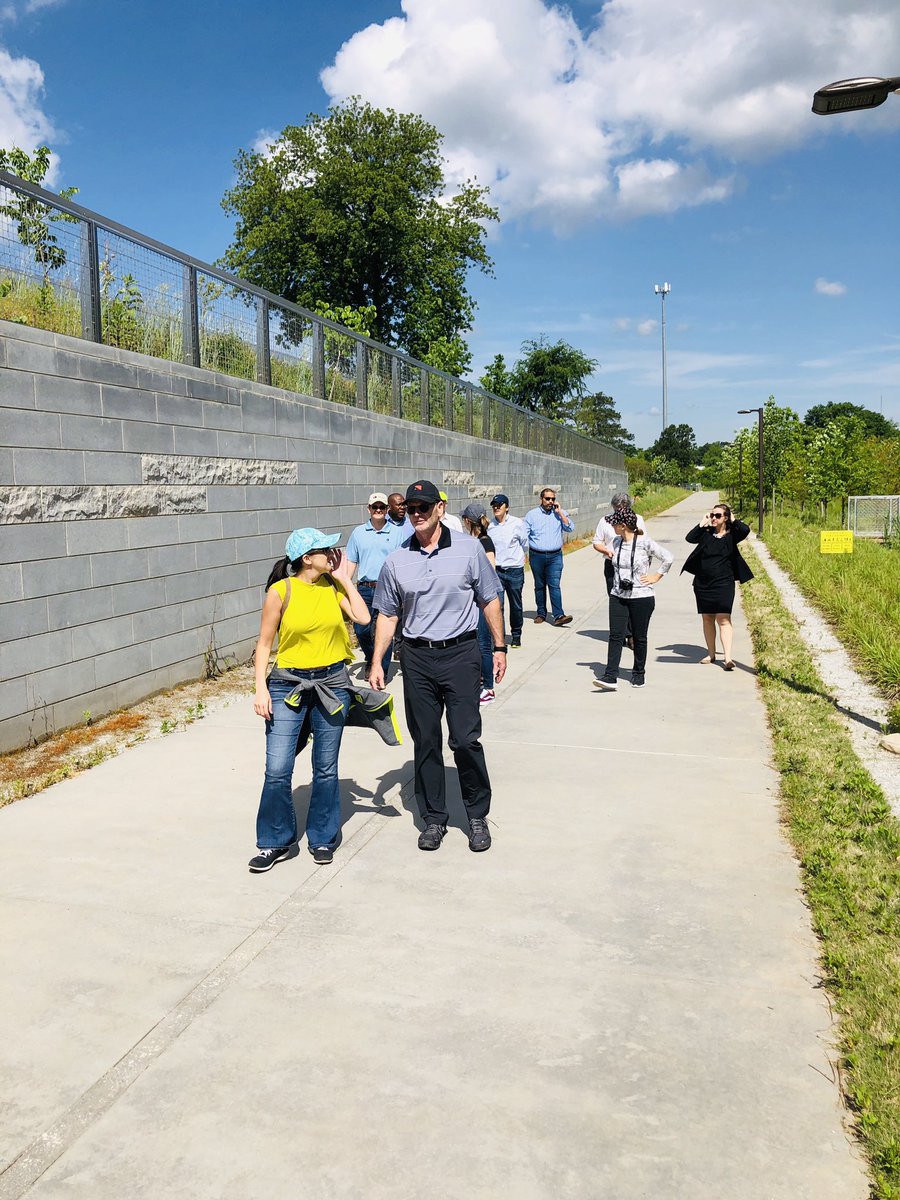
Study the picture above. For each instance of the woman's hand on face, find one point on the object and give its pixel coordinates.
(262, 703)
(337, 566)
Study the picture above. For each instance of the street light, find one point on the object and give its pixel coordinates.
(761, 503)
(847, 95)
(662, 290)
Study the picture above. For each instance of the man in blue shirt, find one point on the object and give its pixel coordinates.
(546, 526)
(367, 549)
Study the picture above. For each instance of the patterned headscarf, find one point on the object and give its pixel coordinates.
(623, 516)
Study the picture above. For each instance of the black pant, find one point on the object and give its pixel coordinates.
(513, 580)
(625, 614)
(433, 680)
(609, 575)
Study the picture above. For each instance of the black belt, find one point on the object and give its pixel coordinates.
(463, 637)
(544, 551)
(367, 583)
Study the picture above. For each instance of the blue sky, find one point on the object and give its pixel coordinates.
(626, 144)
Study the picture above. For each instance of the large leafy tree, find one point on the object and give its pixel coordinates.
(598, 417)
(677, 444)
(550, 378)
(34, 220)
(873, 424)
(497, 378)
(353, 209)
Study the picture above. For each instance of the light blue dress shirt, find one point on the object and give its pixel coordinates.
(369, 547)
(545, 530)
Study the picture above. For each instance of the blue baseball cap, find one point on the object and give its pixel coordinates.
(500, 498)
(301, 541)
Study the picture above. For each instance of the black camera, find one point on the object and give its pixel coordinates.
(625, 585)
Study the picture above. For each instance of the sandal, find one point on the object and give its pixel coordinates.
(710, 658)
(729, 664)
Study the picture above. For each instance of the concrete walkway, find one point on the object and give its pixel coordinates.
(617, 1001)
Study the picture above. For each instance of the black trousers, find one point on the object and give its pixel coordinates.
(628, 617)
(435, 680)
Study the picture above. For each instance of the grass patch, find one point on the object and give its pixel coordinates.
(858, 592)
(657, 499)
(848, 845)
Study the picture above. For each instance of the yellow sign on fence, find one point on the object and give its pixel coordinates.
(836, 541)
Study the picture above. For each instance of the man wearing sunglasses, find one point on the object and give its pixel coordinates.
(367, 549)
(437, 581)
(546, 525)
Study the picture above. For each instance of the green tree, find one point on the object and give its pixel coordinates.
(352, 209)
(497, 378)
(550, 378)
(33, 219)
(874, 424)
(677, 444)
(833, 459)
(782, 442)
(597, 416)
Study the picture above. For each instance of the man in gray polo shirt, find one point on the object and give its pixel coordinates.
(438, 580)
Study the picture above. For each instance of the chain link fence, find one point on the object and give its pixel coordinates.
(69, 270)
(874, 516)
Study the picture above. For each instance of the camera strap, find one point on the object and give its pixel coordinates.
(619, 559)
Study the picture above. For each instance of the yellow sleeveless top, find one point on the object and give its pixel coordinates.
(312, 631)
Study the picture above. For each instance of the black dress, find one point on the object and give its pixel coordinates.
(714, 578)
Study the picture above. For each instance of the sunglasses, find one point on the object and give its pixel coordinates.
(717, 516)
(378, 507)
(545, 499)
(501, 505)
(419, 508)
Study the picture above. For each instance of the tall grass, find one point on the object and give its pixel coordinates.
(859, 593)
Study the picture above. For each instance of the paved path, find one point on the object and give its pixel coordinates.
(617, 1001)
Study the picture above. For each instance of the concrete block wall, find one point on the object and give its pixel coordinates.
(142, 504)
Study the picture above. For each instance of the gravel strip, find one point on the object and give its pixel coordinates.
(863, 710)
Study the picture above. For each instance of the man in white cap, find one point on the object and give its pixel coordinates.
(367, 549)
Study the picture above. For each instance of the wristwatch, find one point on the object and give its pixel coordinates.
(501, 649)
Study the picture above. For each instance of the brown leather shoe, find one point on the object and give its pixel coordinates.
(562, 620)
(539, 620)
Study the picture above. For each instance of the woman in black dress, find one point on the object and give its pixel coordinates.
(715, 564)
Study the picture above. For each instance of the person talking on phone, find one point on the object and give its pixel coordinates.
(546, 525)
(631, 599)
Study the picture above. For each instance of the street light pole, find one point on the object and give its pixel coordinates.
(761, 505)
(662, 290)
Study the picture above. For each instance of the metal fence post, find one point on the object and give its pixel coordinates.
(190, 323)
(362, 374)
(91, 325)
(469, 409)
(423, 383)
(263, 356)
(318, 360)
(395, 386)
(448, 404)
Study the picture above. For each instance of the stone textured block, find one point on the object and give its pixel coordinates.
(459, 478)
(196, 469)
(83, 503)
(18, 504)
(90, 433)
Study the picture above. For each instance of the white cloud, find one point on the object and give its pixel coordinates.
(636, 115)
(826, 287)
(23, 122)
(645, 328)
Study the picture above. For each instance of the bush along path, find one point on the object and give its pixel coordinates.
(848, 844)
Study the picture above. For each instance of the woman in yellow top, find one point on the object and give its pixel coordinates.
(308, 595)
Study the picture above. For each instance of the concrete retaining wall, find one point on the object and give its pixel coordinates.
(142, 504)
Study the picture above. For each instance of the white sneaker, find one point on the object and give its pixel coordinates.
(487, 696)
(605, 686)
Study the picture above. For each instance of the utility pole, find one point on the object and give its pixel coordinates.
(662, 290)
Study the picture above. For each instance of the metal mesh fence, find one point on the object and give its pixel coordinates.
(41, 264)
(70, 271)
(226, 322)
(873, 516)
(141, 298)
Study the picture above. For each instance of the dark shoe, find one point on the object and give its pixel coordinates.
(322, 854)
(266, 859)
(637, 681)
(479, 835)
(629, 644)
(563, 621)
(539, 620)
(431, 837)
(516, 643)
(606, 685)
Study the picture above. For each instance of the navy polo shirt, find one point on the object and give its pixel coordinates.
(438, 592)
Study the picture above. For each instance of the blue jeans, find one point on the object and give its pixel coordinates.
(486, 645)
(365, 634)
(547, 572)
(276, 821)
(513, 580)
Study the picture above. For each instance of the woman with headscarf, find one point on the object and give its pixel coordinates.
(309, 594)
(631, 599)
(716, 563)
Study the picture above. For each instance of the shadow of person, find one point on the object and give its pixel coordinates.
(599, 635)
(354, 799)
(457, 818)
(682, 652)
